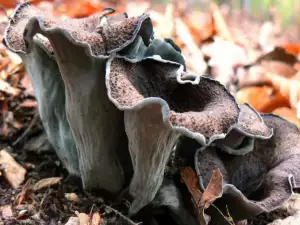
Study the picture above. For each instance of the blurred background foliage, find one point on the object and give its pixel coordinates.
(286, 11)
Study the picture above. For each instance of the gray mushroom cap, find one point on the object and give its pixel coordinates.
(160, 106)
(261, 180)
(250, 126)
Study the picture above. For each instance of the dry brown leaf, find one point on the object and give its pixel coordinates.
(264, 99)
(191, 180)
(213, 191)
(44, 183)
(220, 25)
(201, 201)
(83, 218)
(200, 25)
(80, 8)
(293, 49)
(7, 88)
(288, 114)
(288, 88)
(6, 211)
(24, 192)
(96, 219)
(13, 172)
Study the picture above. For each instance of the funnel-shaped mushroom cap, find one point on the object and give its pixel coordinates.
(161, 102)
(261, 180)
(250, 126)
(48, 86)
(81, 48)
(98, 35)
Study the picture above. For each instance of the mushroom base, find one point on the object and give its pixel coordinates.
(150, 145)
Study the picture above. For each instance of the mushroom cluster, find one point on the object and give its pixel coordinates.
(115, 102)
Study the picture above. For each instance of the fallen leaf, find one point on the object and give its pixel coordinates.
(264, 99)
(213, 191)
(44, 183)
(83, 218)
(96, 219)
(24, 192)
(203, 200)
(6, 211)
(72, 197)
(220, 24)
(13, 172)
(191, 181)
(5, 87)
(200, 25)
(278, 54)
(288, 88)
(293, 49)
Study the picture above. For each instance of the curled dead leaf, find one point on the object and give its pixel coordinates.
(213, 191)
(47, 182)
(202, 201)
(13, 172)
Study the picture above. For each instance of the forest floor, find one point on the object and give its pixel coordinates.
(38, 190)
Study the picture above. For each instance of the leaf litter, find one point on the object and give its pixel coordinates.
(35, 189)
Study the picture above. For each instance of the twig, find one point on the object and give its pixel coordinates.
(225, 217)
(123, 217)
(32, 123)
(91, 211)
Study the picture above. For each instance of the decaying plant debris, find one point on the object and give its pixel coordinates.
(131, 123)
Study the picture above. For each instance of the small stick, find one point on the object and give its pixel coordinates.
(32, 123)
